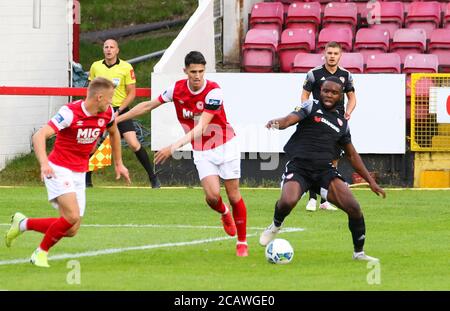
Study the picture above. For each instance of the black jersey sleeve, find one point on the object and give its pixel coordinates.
(346, 138)
(349, 87)
(305, 109)
(308, 85)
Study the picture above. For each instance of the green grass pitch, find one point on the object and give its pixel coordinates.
(175, 242)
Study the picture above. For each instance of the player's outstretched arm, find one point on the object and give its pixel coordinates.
(282, 123)
(39, 145)
(117, 153)
(361, 169)
(198, 130)
(139, 110)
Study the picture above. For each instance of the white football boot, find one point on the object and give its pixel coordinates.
(363, 256)
(268, 234)
(311, 206)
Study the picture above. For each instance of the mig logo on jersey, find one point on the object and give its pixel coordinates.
(87, 135)
(187, 114)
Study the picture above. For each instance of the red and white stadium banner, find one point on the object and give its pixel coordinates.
(443, 104)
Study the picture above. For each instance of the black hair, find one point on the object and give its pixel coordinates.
(194, 57)
(336, 80)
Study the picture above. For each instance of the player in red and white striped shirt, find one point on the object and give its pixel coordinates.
(78, 125)
(199, 108)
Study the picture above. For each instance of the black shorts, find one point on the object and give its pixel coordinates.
(125, 126)
(311, 176)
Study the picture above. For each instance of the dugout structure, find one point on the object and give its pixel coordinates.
(429, 100)
(430, 129)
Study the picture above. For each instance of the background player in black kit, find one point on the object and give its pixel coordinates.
(310, 151)
(314, 79)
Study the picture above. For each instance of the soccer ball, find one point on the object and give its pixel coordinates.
(279, 251)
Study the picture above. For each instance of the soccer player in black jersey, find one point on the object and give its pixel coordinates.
(310, 151)
(314, 79)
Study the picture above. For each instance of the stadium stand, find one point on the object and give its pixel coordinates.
(440, 45)
(383, 63)
(425, 63)
(371, 41)
(294, 41)
(303, 62)
(353, 62)
(424, 15)
(391, 17)
(267, 15)
(340, 15)
(408, 41)
(304, 15)
(360, 26)
(259, 50)
(342, 35)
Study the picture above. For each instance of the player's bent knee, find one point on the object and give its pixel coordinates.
(71, 233)
(354, 210)
(286, 203)
(72, 218)
(212, 199)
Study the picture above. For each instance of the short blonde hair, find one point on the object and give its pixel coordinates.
(97, 85)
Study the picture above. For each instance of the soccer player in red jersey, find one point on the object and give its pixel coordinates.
(78, 125)
(199, 108)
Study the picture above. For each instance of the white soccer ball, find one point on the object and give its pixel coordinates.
(279, 251)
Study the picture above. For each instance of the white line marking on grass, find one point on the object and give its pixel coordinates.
(110, 251)
(169, 226)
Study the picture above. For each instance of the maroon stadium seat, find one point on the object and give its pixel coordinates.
(383, 63)
(337, 13)
(422, 63)
(391, 16)
(343, 36)
(440, 45)
(267, 15)
(425, 63)
(304, 15)
(447, 17)
(371, 41)
(425, 15)
(303, 62)
(292, 42)
(259, 50)
(407, 41)
(353, 62)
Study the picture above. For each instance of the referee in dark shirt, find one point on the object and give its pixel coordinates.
(314, 79)
(310, 151)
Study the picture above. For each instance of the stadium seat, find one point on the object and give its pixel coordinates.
(259, 50)
(440, 45)
(292, 42)
(267, 15)
(424, 15)
(371, 41)
(303, 62)
(446, 22)
(425, 63)
(337, 13)
(304, 15)
(391, 16)
(343, 36)
(353, 62)
(383, 63)
(408, 41)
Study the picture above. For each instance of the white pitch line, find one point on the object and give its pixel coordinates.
(109, 251)
(174, 226)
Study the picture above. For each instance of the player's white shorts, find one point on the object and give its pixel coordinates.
(66, 181)
(224, 161)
